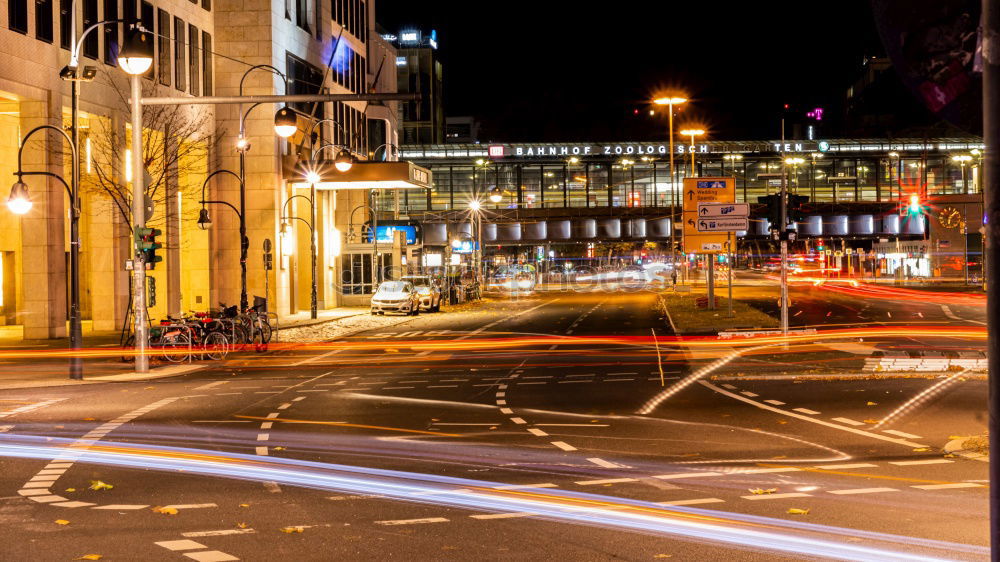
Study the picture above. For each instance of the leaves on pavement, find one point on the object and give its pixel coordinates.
(870, 403)
(761, 491)
(797, 511)
(242, 525)
(296, 529)
(165, 510)
(922, 450)
(90, 557)
(99, 485)
(61, 522)
(244, 505)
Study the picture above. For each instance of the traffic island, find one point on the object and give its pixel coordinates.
(688, 313)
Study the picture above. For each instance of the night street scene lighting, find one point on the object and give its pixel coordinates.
(332, 281)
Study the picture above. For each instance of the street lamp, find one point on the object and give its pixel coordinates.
(670, 102)
(692, 133)
(204, 221)
(135, 59)
(734, 158)
(496, 195)
(19, 202)
(285, 123)
(344, 161)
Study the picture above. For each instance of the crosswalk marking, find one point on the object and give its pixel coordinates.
(925, 461)
(862, 491)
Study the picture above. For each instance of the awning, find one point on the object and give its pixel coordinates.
(365, 175)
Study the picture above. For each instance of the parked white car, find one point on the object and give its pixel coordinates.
(430, 293)
(396, 296)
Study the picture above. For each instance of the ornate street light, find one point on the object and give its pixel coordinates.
(496, 195)
(285, 123)
(344, 161)
(19, 202)
(137, 53)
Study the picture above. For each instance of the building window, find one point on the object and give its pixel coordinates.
(206, 4)
(302, 14)
(91, 45)
(64, 38)
(194, 59)
(17, 15)
(163, 46)
(304, 78)
(206, 63)
(356, 274)
(43, 20)
(110, 32)
(148, 19)
(180, 51)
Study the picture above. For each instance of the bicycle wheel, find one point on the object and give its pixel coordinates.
(257, 339)
(239, 337)
(175, 346)
(127, 350)
(266, 331)
(216, 346)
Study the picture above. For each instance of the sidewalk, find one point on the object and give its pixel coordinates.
(42, 363)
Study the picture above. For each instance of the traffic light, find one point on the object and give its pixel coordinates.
(796, 212)
(914, 207)
(145, 242)
(773, 203)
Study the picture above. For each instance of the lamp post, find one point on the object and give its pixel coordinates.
(692, 133)
(374, 231)
(670, 102)
(312, 241)
(204, 220)
(135, 59)
(19, 202)
(475, 209)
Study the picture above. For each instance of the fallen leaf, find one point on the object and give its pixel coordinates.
(98, 485)
(88, 419)
(279, 448)
(663, 556)
(70, 489)
(782, 422)
(797, 511)
(62, 522)
(872, 421)
(872, 404)
(760, 491)
(949, 456)
(165, 510)
(90, 557)
(779, 457)
(292, 529)
(244, 505)
(921, 449)
(242, 525)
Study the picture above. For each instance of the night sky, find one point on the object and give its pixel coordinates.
(574, 71)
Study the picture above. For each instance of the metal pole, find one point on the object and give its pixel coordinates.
(138, 221)
(244, 241)
(673, 192)
(297, 98)
(783, 236)
(312, 249)
(75, 330)
(731, 265)
(710, 258)
(991, 183)
(375, 258)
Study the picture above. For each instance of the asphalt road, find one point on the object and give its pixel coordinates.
(480, 435)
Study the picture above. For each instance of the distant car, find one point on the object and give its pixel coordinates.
(396, 296)
(430, 293)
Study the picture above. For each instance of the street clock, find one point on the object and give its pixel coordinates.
(950, 217)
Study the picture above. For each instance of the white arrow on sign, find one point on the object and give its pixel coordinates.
(723, 210)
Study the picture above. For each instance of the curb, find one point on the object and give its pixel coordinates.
(955, 447)
(844, 376)
(158, 373)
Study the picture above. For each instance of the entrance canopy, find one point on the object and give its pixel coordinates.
(365, 175)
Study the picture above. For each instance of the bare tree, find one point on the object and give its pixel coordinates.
(176, 144)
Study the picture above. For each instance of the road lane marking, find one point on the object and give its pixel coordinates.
(210, 385)
(537, 432)
(501, 515)
(604, 463)
(572, 425)
(921, 462)
(686, 475)
(267, 425)
(691, 502)
(729, 386)
(805, 411)
(284, 406)
(563, 445)
(766, 470)
(191, 506)
(605, 481)
(219, 533)
(750, 394)
(902, 434)
(272, 487)
(862, 491)
(360, 426)
(121, 506)
(776, 496)
(848, 421)
(519, 421)
(506, 411)
(878, 436)
(413, 521)
(949, 486)
(261, 451)
(519, 486)
(210, 556)
(775, 402)
(180, 545)
(569, 382)
(317, 358)
(263, 436)
(460, 423)
(848, 465)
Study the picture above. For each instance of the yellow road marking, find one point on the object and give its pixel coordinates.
(339, 424)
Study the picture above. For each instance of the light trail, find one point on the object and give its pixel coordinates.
(921, 398)
(735, 530)
(864, 290)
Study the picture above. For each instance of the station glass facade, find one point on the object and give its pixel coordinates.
(591, 175)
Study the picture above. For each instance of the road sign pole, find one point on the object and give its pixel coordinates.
(784, 239)
(711, 280)
(731, 265)
(991, 183)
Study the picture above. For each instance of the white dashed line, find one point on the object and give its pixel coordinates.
(605, 481)
(926, 461)
(219, 533)
(519, 486)
(750, 394)
(848, 421)
(806, 411)
(692, 502)
(537, 432)
(564, 446)
(413, 521)
(506, 411)
(284, 406)
(518, 421)
(501, 515)
(180, 545)
(901, 434)
(603, 463)
(729, 386)
(846, 466)
(262, 451)
(685, 475)
(862, 491)
(775, 402)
